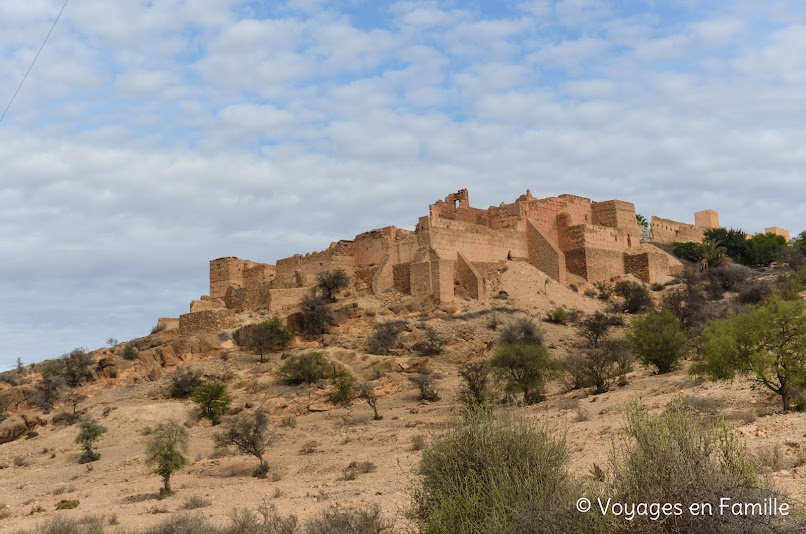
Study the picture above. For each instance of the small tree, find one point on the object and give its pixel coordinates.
(315, 316)
(48, 392)
(343, 387)
(594, 328)
(268, 336)
(766, 341)
(166, 452)
(385, 336)
(636, 296)
(89, 432)
(659, 340)
(213, 399)
(250, 434)
(309, 367)
(4, 404)
(74, 366)
(525, 369)
(475, 389)
(331, 282)
(367, 392)
(597, 367)
(73, 399)
(426, 384)
(521, 332)
(432, 343)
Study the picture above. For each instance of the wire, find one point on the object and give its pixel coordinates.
(34, 61)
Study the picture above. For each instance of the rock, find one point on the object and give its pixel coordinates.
(110, 371)
(12, 428)
(148, 357)
(168, 356)
(319, 408)
(416, 365)
(155, 373)
(106, 361)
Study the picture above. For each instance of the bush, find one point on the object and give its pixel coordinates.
(367, 392)
(213, 399)
(267, 336)
(67, 504)
(675, 458)
(688, 251)
(47, 392)
(659, 340)
(426, 383)
(598, 367)
(89, 432)
(166, 452)
(636, 296)
(385, 336)
(195, 502)
(74, 366)
(736, 244)
(343, 387)
(605, 290)
(129, 353)
(755, 292)
(475, 389)
(316, 317)
(497, 473)
(594, 328)
(521, 332)
(433, 342)
(525, 369)
(250, 434)
(558, 315)
(331, 282)
(309, 367)
(340, 520)
(184, 382)
(763, 249)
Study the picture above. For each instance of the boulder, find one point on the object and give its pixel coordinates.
(12, 428)
(110, 371)
(168, 356)
(107, 361)
(416, 365)
(155, 373)
(319, 408)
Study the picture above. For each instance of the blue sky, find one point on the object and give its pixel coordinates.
(152, 137)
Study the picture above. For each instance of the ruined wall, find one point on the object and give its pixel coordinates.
(281, 299)
(544, 254)
(337, 256)
(401, 275)
(648, 267)
(442, 278)
(469, 278)
(383, 278)
(615, 214)
(258, 272)
(666, 231)
(206, 303)
(225, 273)
(603, 264)
(207, 321)
(477, 243)
(370, 248)
(420, 278)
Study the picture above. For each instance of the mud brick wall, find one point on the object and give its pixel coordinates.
(477, 243)
(207, 321)
(603, 264)
(615, 214)
(706, 219)
(648, 267)
(225, 273)
(206, 304)
(420, 278)
(544, 254)
(280, 299)
(442, 278)
(260, 272)
(401, 274)
(383, 278)
(667, 231)
(469, 278)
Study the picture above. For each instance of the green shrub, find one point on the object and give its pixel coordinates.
(736, 244)
(213, 399)
(316, 317)
(676, 458)
(309, 367)
(384, 336)
(598, 367)
(89, 432)
(658, 339)
(250, 434)
(763, 249)
(74, 366)
(475, 389)
(269, 335)
(636, 296)
(67, 504)
(339, 520)
(521, 332)
(595, 328)
(497, 473)
(129, 353)
(343, 387)
(184, 382)
(166, 452)
(524, 369)
(426, 384)
(558, 315)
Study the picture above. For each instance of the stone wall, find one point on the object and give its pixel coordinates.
(477, 243)
(282, 299)
(420, 278)
(225, 273)
(401, 274)
(469, 278)
(648, 267)
(206, 303)
(544, 254)
(666, 231)
(207, 321)
(615, 214)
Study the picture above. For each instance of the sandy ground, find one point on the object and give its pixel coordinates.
(119, 486)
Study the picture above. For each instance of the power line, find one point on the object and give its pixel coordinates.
(34, 61)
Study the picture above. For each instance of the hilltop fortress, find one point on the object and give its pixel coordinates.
(570, 238)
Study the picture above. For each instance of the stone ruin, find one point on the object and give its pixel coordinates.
(570, 238)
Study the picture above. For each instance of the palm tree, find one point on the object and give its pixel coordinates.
(714, 254)
(641, 220)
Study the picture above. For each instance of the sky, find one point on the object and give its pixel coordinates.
(154, 136)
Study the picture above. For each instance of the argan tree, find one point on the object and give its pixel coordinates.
(268, 336)
(213, 399)
(166, 452)
(89, 431)
(329, 283)
(767, 342)
(367, 392)
(658, 339)
(250, 434)
(524, 369)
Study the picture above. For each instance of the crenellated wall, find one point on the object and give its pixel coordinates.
(666, 231)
